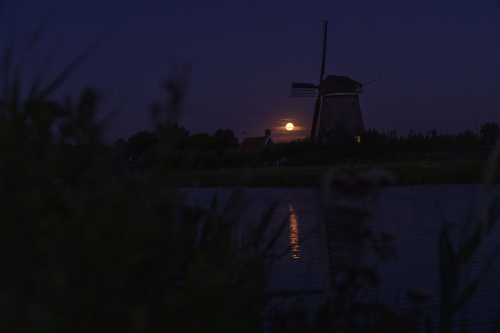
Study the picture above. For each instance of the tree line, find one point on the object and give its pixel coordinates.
(198, 151)
(220, 150)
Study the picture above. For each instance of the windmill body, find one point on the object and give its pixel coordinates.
(340, 114)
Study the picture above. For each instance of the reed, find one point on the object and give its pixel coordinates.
(88, 248)
(456, 290)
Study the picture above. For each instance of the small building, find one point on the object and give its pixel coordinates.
(256, 143)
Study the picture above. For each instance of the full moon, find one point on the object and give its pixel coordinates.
(289, 126)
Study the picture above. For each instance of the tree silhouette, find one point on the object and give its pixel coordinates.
(488, 134)
(138, 143)
(198, 141)
(224, 139)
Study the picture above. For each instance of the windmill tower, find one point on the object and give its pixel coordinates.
(337, 113)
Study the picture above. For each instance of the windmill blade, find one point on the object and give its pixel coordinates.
(303, 89)
(314, 128)
(311, 90)
(325, 28)
(372, 81)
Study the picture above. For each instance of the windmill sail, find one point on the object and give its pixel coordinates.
(317, 106)
(304, 89)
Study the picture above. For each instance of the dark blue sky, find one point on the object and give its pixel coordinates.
(439, 61)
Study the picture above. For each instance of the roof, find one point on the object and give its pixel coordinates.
(334, 84)
(255, 143)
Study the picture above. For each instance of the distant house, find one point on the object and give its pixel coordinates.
(256, 143)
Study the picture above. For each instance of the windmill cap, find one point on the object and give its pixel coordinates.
(334, 84)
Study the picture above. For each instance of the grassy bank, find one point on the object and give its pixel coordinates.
(407, 173)
(438, 172)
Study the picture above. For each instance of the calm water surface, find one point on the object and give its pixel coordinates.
(413, 215)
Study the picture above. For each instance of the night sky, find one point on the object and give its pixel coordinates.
(438, 61)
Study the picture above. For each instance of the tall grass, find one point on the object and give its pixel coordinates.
(456, 291)
(355, 251)
(87, 249)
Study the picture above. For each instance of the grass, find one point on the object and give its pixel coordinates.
(438, 172)
(255, 177)
(406, 173)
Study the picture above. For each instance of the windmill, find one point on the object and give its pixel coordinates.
(337, 113)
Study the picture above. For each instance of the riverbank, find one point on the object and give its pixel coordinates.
(406, 173)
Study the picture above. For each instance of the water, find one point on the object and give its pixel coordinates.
(413, 215)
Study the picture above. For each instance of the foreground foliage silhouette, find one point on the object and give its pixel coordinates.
(86, 248)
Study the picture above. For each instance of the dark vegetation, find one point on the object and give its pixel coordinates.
(202, 151)
(85, 248)
(214, 160)
(88, 247)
